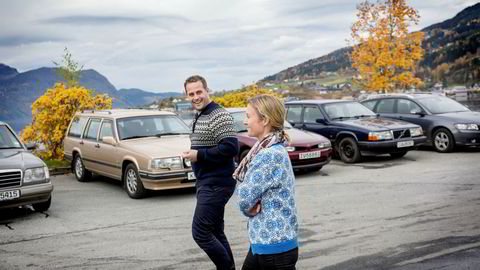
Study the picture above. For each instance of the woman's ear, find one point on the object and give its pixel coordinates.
(265, 121)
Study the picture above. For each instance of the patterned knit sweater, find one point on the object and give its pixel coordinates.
(270, 180)
(214, 138)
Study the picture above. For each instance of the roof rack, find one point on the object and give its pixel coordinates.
(93, 111)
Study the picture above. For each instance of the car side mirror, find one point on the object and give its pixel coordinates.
(31, 146)
(422, 114)
(291, 123)
(109, 140)
(321, 121)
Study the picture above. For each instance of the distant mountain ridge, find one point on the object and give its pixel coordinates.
(455, 41)
(19, 90)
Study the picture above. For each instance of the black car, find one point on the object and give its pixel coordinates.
(24, 178)
(446, 122)
(353, 129)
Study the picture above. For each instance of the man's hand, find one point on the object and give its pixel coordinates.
(255, 209)
(190, 155)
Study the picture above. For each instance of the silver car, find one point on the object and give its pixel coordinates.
(24, 178)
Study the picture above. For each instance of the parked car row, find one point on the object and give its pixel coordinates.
(142, 148)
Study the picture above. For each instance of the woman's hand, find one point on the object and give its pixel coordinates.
(255, 209)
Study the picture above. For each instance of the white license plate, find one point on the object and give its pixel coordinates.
(191, 176)
(9, 195)
(314, 154)
(405, 144)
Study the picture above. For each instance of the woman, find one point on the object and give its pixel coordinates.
(266, 192)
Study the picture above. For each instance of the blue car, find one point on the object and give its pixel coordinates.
(353, 129)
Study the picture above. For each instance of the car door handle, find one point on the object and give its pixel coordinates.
(97, 145)
(81, 142)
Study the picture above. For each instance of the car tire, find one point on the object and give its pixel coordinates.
(81, 173)
(132, 183)
(398, 154)
(43, 206)
(443, 141)
(348, 150)
(243, 155)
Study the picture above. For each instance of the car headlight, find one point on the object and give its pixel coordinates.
(414, 132)
(171, 163)
(380, 135)
(325, 144)
(466, 126)
(39, 174)
(290, 148)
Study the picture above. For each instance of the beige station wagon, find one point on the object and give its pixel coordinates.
(141, 148)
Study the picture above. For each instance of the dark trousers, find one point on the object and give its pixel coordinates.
(280, 261)
(208, 225)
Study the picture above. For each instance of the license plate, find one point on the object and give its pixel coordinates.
(9, 195)
(314, 154)
(404, 144)
(191, 176)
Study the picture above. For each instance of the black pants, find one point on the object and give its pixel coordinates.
(208, 225)
(280, 261)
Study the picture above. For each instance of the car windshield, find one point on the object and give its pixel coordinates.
(152, 125)
(239, 117)
(8, 139)
(345, 110)
(440, 104)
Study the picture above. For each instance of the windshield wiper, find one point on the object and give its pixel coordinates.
(11, 147)
(340, 118)
(363, 115)
(169, 133)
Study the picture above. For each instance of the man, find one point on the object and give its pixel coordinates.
(213, 148)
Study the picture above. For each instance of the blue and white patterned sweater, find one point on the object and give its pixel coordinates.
(270, 179)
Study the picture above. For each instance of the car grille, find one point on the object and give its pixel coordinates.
(402, 133)
(10, 178)
(305, 148)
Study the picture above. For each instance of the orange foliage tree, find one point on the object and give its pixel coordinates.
(240, 98)
(52, 112)
(384, 52)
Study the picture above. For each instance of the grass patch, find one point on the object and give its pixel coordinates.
(55, 163)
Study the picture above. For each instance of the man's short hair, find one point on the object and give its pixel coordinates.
(195, 78)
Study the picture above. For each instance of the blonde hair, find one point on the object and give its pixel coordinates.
(271, 108)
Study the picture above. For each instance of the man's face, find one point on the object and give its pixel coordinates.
(198, 95)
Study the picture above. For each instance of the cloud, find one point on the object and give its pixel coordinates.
(155, 45)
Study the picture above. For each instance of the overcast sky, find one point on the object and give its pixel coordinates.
(154, 45)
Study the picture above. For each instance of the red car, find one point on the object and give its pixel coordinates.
(307, 150)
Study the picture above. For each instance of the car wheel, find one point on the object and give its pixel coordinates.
(348, 150)
(82, 174)
(398, 154)
(132, 183)
(244, 154)
(43, 206)
(443, 141)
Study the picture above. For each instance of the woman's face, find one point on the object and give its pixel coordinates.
(256, 125)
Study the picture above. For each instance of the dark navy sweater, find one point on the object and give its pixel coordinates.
(213, 136)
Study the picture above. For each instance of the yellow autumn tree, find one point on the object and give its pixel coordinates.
(240, 98)
(52, 112)
(384, 53)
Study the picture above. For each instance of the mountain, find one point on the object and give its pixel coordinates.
(19, 90)
(454, 42)
(138, 97)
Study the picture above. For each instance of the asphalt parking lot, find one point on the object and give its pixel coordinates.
(417, 212)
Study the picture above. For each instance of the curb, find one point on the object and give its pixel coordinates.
(60, 170)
